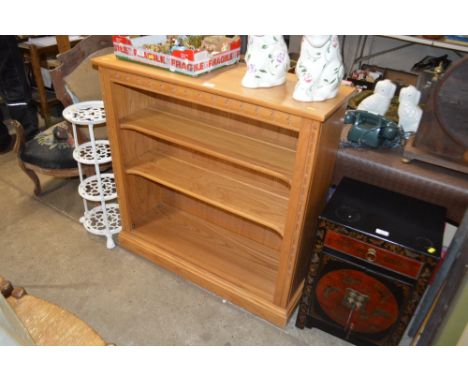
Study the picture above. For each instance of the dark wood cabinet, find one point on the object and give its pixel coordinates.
(375, 253)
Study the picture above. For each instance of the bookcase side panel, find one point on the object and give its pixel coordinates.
(302, 175)
(110, 103)
(322, 170)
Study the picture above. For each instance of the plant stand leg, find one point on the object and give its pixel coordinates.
(80, 172)
(110, 242)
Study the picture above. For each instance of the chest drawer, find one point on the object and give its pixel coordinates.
(373, 254)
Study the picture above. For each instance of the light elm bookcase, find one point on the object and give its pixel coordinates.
(217, 183)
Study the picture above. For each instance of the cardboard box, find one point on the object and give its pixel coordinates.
(189, 62)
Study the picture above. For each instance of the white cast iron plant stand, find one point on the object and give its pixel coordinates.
(105, 218)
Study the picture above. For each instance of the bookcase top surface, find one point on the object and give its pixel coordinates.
(227, 82)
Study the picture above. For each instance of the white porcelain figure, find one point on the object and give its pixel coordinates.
(409, 112)
(379, 102)
(267, 61)
(319, 68)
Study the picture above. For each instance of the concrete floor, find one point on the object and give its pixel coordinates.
(125, 298)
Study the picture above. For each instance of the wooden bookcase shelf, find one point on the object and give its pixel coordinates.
(218, 183)
(216, 189)
(225, 255)
(261, 156)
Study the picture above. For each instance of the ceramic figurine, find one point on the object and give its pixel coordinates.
(319, 68)
(267, 62)
(409, 113)
(379, 102)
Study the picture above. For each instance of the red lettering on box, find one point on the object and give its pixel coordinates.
(159, 58)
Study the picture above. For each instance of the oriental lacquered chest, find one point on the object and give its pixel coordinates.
(375, 253)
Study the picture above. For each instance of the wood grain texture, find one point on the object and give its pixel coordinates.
(213, 188)
(226, 82)
(209, 99)
(112, 103)
(63, 43)
(240, 173)
(217, 182)
(236, 148)
(237, 295)
(322, 173)
(225, 118)
(296, 215)
(228, 221)
(36, 69)
(232, 257)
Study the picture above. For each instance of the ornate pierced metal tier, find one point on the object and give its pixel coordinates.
(84, 153)
(89, 188)
(94, 220)
(85, 113)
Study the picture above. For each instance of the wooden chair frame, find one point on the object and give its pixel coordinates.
(69, 62)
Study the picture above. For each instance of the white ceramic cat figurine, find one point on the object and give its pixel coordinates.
(319, 69)
(267, 62)
(379, 102)
(409, 113)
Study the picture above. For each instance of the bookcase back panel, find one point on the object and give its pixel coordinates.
(231, 122)
(145, 195)
(129, 100)
(224, 168)
(223, 219)
(139, 99)
(137, 144)
(142, 197)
